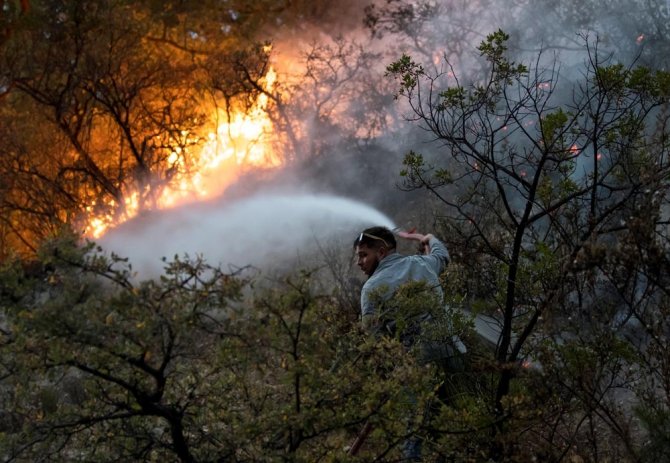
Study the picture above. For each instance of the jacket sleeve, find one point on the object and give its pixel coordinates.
(367, 307)
(439, 255)
(369, 315)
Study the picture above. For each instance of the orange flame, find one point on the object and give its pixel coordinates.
(235, 142)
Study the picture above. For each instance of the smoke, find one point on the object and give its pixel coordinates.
(350, 127)
(263, 231)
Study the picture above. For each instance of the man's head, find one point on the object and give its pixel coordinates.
(371, 246)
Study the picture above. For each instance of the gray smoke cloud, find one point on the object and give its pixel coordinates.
(270, 227)
(263, 230)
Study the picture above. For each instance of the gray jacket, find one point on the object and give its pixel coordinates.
(395, 270)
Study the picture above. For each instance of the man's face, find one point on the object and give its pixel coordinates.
(368, 258)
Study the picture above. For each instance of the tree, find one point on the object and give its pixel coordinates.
(119, 89)
(126, 93)
(97, 366)
(632, 30)
(537, 190)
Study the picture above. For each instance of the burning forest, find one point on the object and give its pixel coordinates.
(181, 181)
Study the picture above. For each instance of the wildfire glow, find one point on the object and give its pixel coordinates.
(235, 142)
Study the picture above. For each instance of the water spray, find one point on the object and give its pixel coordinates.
(262, 230)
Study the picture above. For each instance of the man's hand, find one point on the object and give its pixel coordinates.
(423, 239)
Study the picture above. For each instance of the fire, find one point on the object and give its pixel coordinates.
(99, 222)
(235, 142)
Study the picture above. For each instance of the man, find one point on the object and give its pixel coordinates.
(388, 271)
